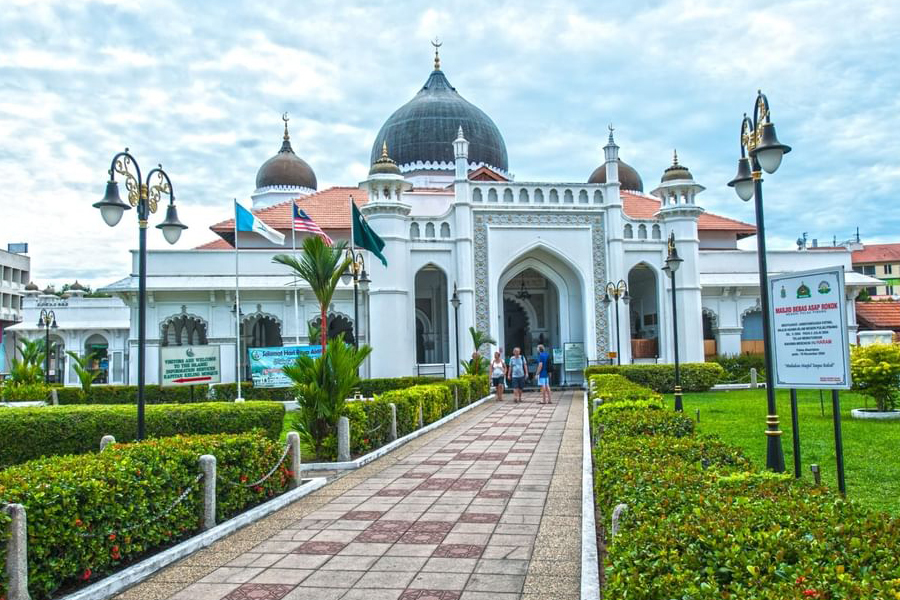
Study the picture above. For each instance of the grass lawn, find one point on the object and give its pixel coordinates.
(871, 449)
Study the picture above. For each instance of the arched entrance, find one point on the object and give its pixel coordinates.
(752, 332)
(643, 310)
(97, 347)
(432, 323)
(530, 313)
(259, 330)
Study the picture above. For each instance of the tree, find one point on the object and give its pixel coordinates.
(478, 362)
(86, 375)
(322, 386)
(30, 369)
(876, 372)
(321, 266)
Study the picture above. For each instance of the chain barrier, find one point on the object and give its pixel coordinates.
(371, 431)
(165, 513)
(284, 454)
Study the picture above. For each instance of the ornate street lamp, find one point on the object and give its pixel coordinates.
(144, 196)
(454, 300)
(758, 140)
(673, 261)
(357, 270)
(615, 292)
(47, 321)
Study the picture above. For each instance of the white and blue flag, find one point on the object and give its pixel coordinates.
(244, 220)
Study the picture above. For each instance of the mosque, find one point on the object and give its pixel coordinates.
(468, 246)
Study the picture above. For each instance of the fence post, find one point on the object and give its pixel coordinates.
(421, 417)
(293, 439)
(393, 421)
(208, 468)
(455, 397)
(17, 554)
(753, 383)
(343, 439)
(617, 514)
(54, 397)
(597, 402)
(105, 441)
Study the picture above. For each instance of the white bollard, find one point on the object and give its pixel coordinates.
(421, 417)
(393, 421)
(616, 516)
(753, 383)
(293, 438)
(105, 441)
(343, 439)
(208, 467)
(17, 554)
(455, 397)
(54, 397)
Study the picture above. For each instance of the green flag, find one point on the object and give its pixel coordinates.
(364, 237)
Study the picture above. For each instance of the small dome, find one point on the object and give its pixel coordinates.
(384, 165)
(31, 287)
(676, 171)
(629, 179)
(49, 291)
(286, 168)
(76, 287)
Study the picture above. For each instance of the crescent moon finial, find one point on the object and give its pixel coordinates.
(284, 117)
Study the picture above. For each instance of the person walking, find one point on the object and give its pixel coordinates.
(498, 375)
(518, 371)
(543, 374)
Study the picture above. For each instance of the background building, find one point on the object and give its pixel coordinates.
(883, 262)
(15, 271)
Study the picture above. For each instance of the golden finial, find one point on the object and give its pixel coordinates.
(437, 43)
(675, 158)
(284, 117)
(384, 153)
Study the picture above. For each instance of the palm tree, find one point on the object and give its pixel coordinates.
(479, 339)
(86, 375)
(321, 266)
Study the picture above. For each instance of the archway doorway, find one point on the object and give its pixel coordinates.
(97, 347)
(432, 321)
(530, 313)
(643, 310)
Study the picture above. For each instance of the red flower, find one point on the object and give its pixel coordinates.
(112, 537)
(800, 580)
(86, 575)
(811, 593)
(243, 478)
(78, 523)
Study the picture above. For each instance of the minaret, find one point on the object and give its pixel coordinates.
(611, 154)
(615, 224)
(678, 213)
(461, 153)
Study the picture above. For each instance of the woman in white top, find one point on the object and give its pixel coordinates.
(498, 374)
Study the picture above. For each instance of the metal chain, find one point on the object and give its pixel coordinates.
(287, 449)
(371, 431)
(171, 507)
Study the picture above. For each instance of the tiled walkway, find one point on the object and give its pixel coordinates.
(487, 507)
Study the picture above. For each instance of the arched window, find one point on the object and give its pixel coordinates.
(598, 197)
(629, 232)
(538, 196)
(429, 230)
(476, 195)
(523, 195)
(507, 195)
(414, 233)
(337, 325)
(431, 318)
(657, 234)
(445, 230)
(183, 330)
(582, 197)
(554, 196)
(492, 195)
(568, 198)
(642, 232)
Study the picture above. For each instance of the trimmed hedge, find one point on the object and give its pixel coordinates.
(695, 377)
(30, 433)
(737, 367)
(89, 515)
(703, 523)
(372, 387)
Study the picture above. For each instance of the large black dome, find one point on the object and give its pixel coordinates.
(423, 129)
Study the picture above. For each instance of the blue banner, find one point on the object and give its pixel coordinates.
(266, 364)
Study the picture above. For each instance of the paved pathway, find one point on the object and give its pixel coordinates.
(486, 507)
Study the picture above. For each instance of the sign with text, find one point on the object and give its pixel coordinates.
(266, 364)
(189, 365)
(809, 329)
(574, 356)
(557, 356)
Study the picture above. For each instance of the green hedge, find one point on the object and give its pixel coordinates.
(372, 387)
(616, 387)
(703, 523)
(695, 377)
(29, 433)
(737, 368)
(89, 515)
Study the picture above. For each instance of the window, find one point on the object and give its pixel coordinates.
(868, 270)
(887, 269)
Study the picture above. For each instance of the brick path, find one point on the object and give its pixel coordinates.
(486, 507)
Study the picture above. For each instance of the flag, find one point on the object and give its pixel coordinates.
(364, 237)
(244, 220)
(302, 222)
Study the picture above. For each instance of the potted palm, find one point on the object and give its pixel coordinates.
(876, 373)
(478, 364)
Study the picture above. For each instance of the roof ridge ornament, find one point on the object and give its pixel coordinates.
(611, 129)
(285, 118)
(437, 43)
(675, 158)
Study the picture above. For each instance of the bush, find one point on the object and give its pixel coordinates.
(155, 394)
(88, 515)
(703, 524)
(876, 373)
(617, 388)
(695, 377)
(737, 367)
(24, 392)
(29, 433)
(372, 387)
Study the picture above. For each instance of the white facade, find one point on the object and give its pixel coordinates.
(15, 273)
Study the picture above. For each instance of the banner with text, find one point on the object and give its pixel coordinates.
(189, 365)
(809, 331)
(266, 364)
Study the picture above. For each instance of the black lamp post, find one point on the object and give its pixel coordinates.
(454, 300)
(47, 320)
(673, 261)
(145, 197)
(615, 292)
(765, 153)
(356, 270)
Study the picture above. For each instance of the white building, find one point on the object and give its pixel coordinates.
(86, 326)
(530, 260)
(15, 271)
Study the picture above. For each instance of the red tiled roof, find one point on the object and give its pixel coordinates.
(219, 244)
(639, 206)
(879, 315)
(877, 253)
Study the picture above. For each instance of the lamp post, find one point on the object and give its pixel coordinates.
(145, 196)
(615, 292)
(758, 139)
(47, 320)
(454, 300)
(673, 261)
(356, 270)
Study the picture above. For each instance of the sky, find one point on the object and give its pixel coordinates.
(200, 88)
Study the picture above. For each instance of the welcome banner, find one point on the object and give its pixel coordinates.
(266, 364)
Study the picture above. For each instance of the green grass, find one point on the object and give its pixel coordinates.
(871, 449)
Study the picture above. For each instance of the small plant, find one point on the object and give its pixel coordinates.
(86, 375)
(876, 373)
(478, 364)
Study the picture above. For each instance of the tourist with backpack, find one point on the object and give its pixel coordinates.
(518, 372)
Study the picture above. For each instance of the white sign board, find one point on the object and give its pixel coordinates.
(809, 329)
(574, 356)
(189, 365)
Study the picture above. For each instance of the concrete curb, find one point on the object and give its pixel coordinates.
(376, 454)
(590, 571)
(118, 582)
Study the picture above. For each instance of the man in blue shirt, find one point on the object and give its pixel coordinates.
(543, 374)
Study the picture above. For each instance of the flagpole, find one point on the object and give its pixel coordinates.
(294, 248)
(237, 308)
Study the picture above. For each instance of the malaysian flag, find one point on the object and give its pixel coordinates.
(302, 222)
